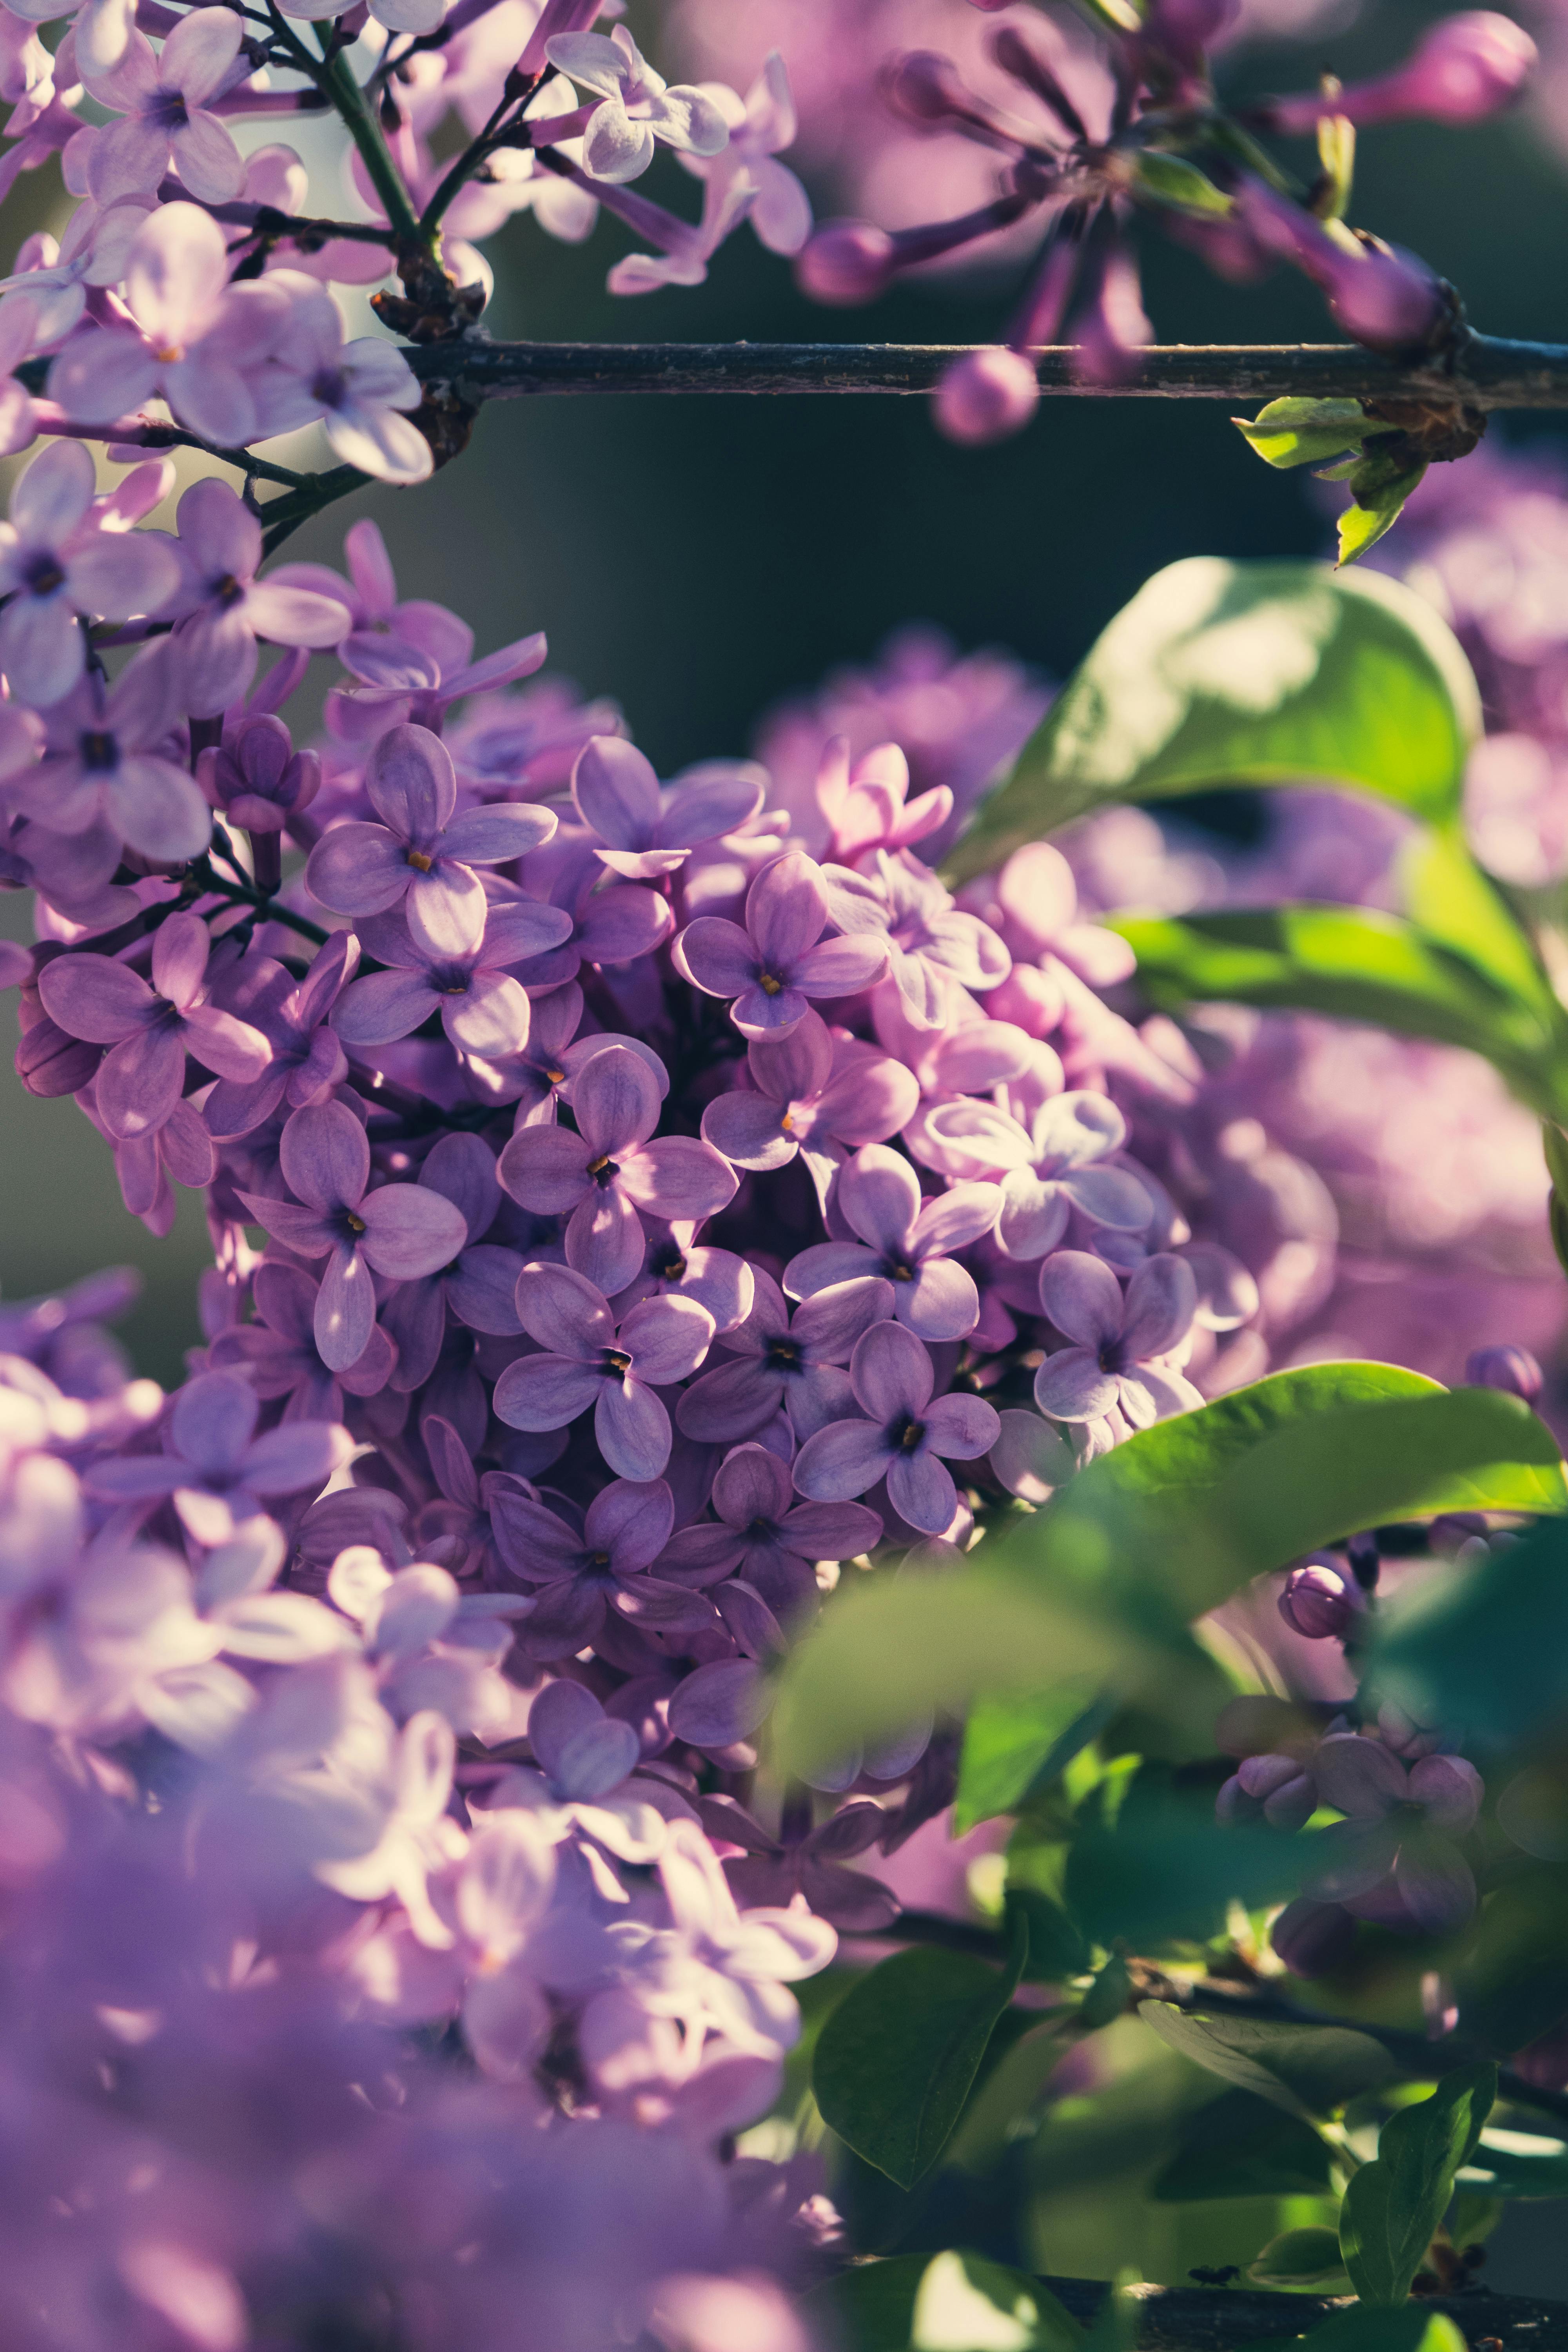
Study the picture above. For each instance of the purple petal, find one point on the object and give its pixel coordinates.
(718, 1705)
(748, 1130)
(534, 1543)
(324, 1157)
(1450, 1789)
(1349, 1858)
(631, 1522)
(843, 1460)
(482, 1291)
(1083, 1297)
(786, 909)
(892, 1373)
(411, 783)
(231, 1049)
(542, 1392)
(879, 1196)
(93, 997)
(416, 1319)
(445, 910)
(1359, 1776)
(753, 1484)
(305, 1231)
(1437, 1883)
(410, 1232)
(833, 1265)
(489, 1020)
(676, 1177)
(563, 1312)
(632, 1427)
(840, 967)
(962, 1427)
(699, 1556)
(831, 1531)
(719, 955)
(545, 1168)
(623, 923)
(604, 1239)
(296, 1458)
(616, 792)
(345, 1310)
(462, 1169)
(816, 1396)
(615, 1102)
(139, 1080)
(666, 1339)
(828, 1324)
(358, 870)
(383, 1006)
(941, 1301)
(1072, 1387)
(733, 1401)
(212, 1420)
(796, 1067)
(1161, 1300)
(922, 1491)
(1109, 1196)
(496, 835)
(713, 801)
(180, 950)
(956, 1217)
(517, 930)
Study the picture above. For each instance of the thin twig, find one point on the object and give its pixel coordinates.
(1481, 370)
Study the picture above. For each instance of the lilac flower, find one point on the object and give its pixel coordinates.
(104, 760)
(779, 960)
(278, 1356)
(56, 278)
(816, 1092)
(764, 1536)
(1512, 1370)
(761, 125)
(483, 1010)
(221, 607)
(646, 831)
(151, 1029)
(806, 1860)
(1121, 1347)
(358, 389)
(422, 857)
(677, 1265)
(57, 566)
(215, 1468)
(542, 1074)
(385, 631)
(588, 1362)
(1044, 1148)
(613, 925)
(586, 1757)
(196, 338)
(307, 1060)
(932, 943)
(162, 101)
(255, 776)
(580, 1572)
(891, 1374)
(401, 1230)
(785, 1365)
(1394, 1857)
(905, 1240)
(1275, 1786)
(609, 1170)
(619, 135)
(480, 1285)
(461, 1523)
(1462, 70)
(180, 1148)
(1319, 1601)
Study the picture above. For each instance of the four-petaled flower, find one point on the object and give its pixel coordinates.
(588, 1362)
(1044, 1148)
(57, 564)
(1118, 1359)
(422, 856)
(793, 1367)
(905, 1239)
(162, 102)
(104, 758)
(291, 1015)
(892, 1376)
(150, 1029)
(479, 1285)
(483, 1009)
(818, 1092)
(618, 137)
(806, 1860)
(278, 1354)
(609, 1170)
(932, 944)
(1393, 1857)
(221, 608)
(761, 1534)
(642, 831)
(400, 1229)
(581, 1568)
(215, 1468)
(781, 959)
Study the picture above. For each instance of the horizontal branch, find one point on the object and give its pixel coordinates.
(1484, 370)
(1226, 2319)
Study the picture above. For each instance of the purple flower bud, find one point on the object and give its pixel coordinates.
(846, 262)
(925, 88)
(1313, 1938)
(258, 777)
(1463, 68)
(1512, 1370)
(1318, 1602)
(986, 396)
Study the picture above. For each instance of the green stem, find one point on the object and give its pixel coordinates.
(335, 77)
(241, 893)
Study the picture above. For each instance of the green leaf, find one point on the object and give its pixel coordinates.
(1409, 2330)
(1167, 1871)
(1101, 1582)
(964, 2304)
(1172, 180)
(1009, 1744)
(1352, 963)
(1484, 1645)
(1241, 2146)
(1392, 2207)
(1379, 488)
(1515, 2164)
(1307, 2070)
(1225, 674)
(1456, 906)
(869, 2308)
(1304, 432)
(898, 2057)
(1303, 2260)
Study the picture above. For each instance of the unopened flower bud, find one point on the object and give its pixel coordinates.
(1512, 1370)
(1464, 69)
(924, 87)
(1388, 299)
(1318, 1602)
(1313, 1937)
(846, 262)
(987, 395)
(258, 777)
(1185, 28)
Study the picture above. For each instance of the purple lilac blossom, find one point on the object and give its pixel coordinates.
(589, 1360)
(772, 968)
(904, 1438)
(905, 1240)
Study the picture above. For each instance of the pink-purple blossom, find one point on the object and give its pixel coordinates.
(904, 1239)
(590, 1361)
(1121, 1352)
(904, 1438)
(772, 968)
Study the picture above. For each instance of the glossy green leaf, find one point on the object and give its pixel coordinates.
(1172, 180)
(1390, 2207)
(898, 2057)
(1101, 1582)
(1379, 488)
(1453, 903)
(1304, 2259)
(1516, 2165)
(965, 2304)
(1242, 2146)
(1009, 1744)
(1483, 1645)
(1297, 432)
(1222, 674)
(1307, 2070)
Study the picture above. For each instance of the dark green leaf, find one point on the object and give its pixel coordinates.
(1056, 1948)
(1392, 2207)
(896, 2059)
(869, 2308)
(1011, 1743)
(1307, 2070)
(1514, 1985)
(1515, 2164)
(1306, 2260)
(1224, 674)
(964, 2304)
(1296, 432)
(1241, 2146)
(1167, 1872)
(1483, 1646)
